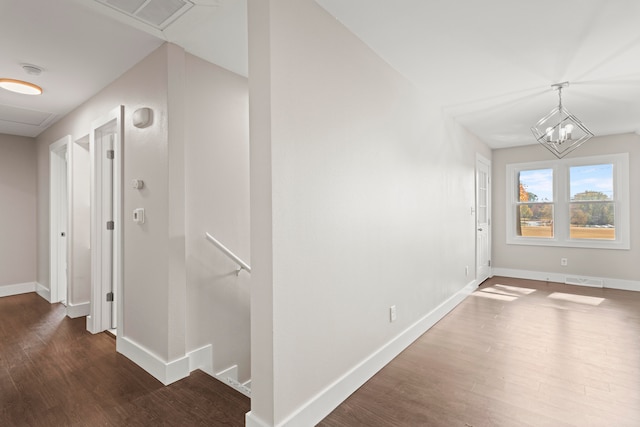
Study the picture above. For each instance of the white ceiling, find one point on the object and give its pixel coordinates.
(490, 64)
(83, 45)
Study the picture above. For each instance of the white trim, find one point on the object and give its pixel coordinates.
(318, 407)
(229, 377)
(17, 289)
(78, 310)
(202, 358)
(43, 292)
(251, 420)
(165, 372)
(89, 322)
(609, 283)
(481, 159)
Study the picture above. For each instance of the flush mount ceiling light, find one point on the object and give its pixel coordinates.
(19, 86)
(560, 131)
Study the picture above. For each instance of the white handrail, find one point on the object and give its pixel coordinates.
(243, 265)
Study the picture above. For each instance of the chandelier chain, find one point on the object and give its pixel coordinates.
(560, 98)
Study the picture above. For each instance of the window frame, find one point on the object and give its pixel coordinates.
(561, 202)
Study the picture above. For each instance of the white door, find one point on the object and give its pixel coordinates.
(106, 222)
(58, 219)
(107, 156)
(483, 219)
(63, 232)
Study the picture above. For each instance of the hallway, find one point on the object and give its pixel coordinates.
(515, 353)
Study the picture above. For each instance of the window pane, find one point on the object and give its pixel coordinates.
(535, 185)
(591, 182)
(483, 197)
(534, 220)
(592, 221)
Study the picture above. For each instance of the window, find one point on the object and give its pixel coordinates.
(592, 207)
(581, 202)
(535, 203)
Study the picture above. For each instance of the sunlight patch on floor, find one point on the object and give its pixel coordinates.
(503, 292)
(514, 290)
(487, 294)
(579, 299)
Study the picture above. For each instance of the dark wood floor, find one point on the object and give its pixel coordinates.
(54, 373)
(515, 353)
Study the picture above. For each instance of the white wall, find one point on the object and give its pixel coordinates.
(148, 258)
(601, 263)
(217, 201)
(17, 211)
(361, 196)
(193, 160)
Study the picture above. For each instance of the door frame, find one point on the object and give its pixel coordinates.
(99, 310)
(481, 159)
(59, 207)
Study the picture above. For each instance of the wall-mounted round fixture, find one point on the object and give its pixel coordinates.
(19, 86)
(142, 117)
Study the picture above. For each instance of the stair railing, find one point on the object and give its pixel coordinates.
(242, 265)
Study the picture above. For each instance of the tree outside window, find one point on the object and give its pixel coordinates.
(535, 212)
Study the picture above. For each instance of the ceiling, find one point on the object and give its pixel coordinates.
(488, 64)
(83, 45)
(491, 63)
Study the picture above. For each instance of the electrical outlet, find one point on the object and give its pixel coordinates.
(392, 313)
(563, 262)
(466, 270)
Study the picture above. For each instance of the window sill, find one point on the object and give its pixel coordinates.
(588, 244)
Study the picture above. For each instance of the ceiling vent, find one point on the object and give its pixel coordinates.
(157, 13)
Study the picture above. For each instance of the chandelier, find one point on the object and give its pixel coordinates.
(560, 131)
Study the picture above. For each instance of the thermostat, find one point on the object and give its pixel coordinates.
(138, 216)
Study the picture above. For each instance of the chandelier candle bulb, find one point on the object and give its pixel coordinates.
(568, 129)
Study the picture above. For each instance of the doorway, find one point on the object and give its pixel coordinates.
(483, 219)
(106, 221)
(59, 224)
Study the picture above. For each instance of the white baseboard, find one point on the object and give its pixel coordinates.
(626, 285)
(202, 358)
(90, 323)
(78, 310)
(17, 289)
(165, 372)
(252, 421)
(43, 292)
(229, 377)
(318, 407)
